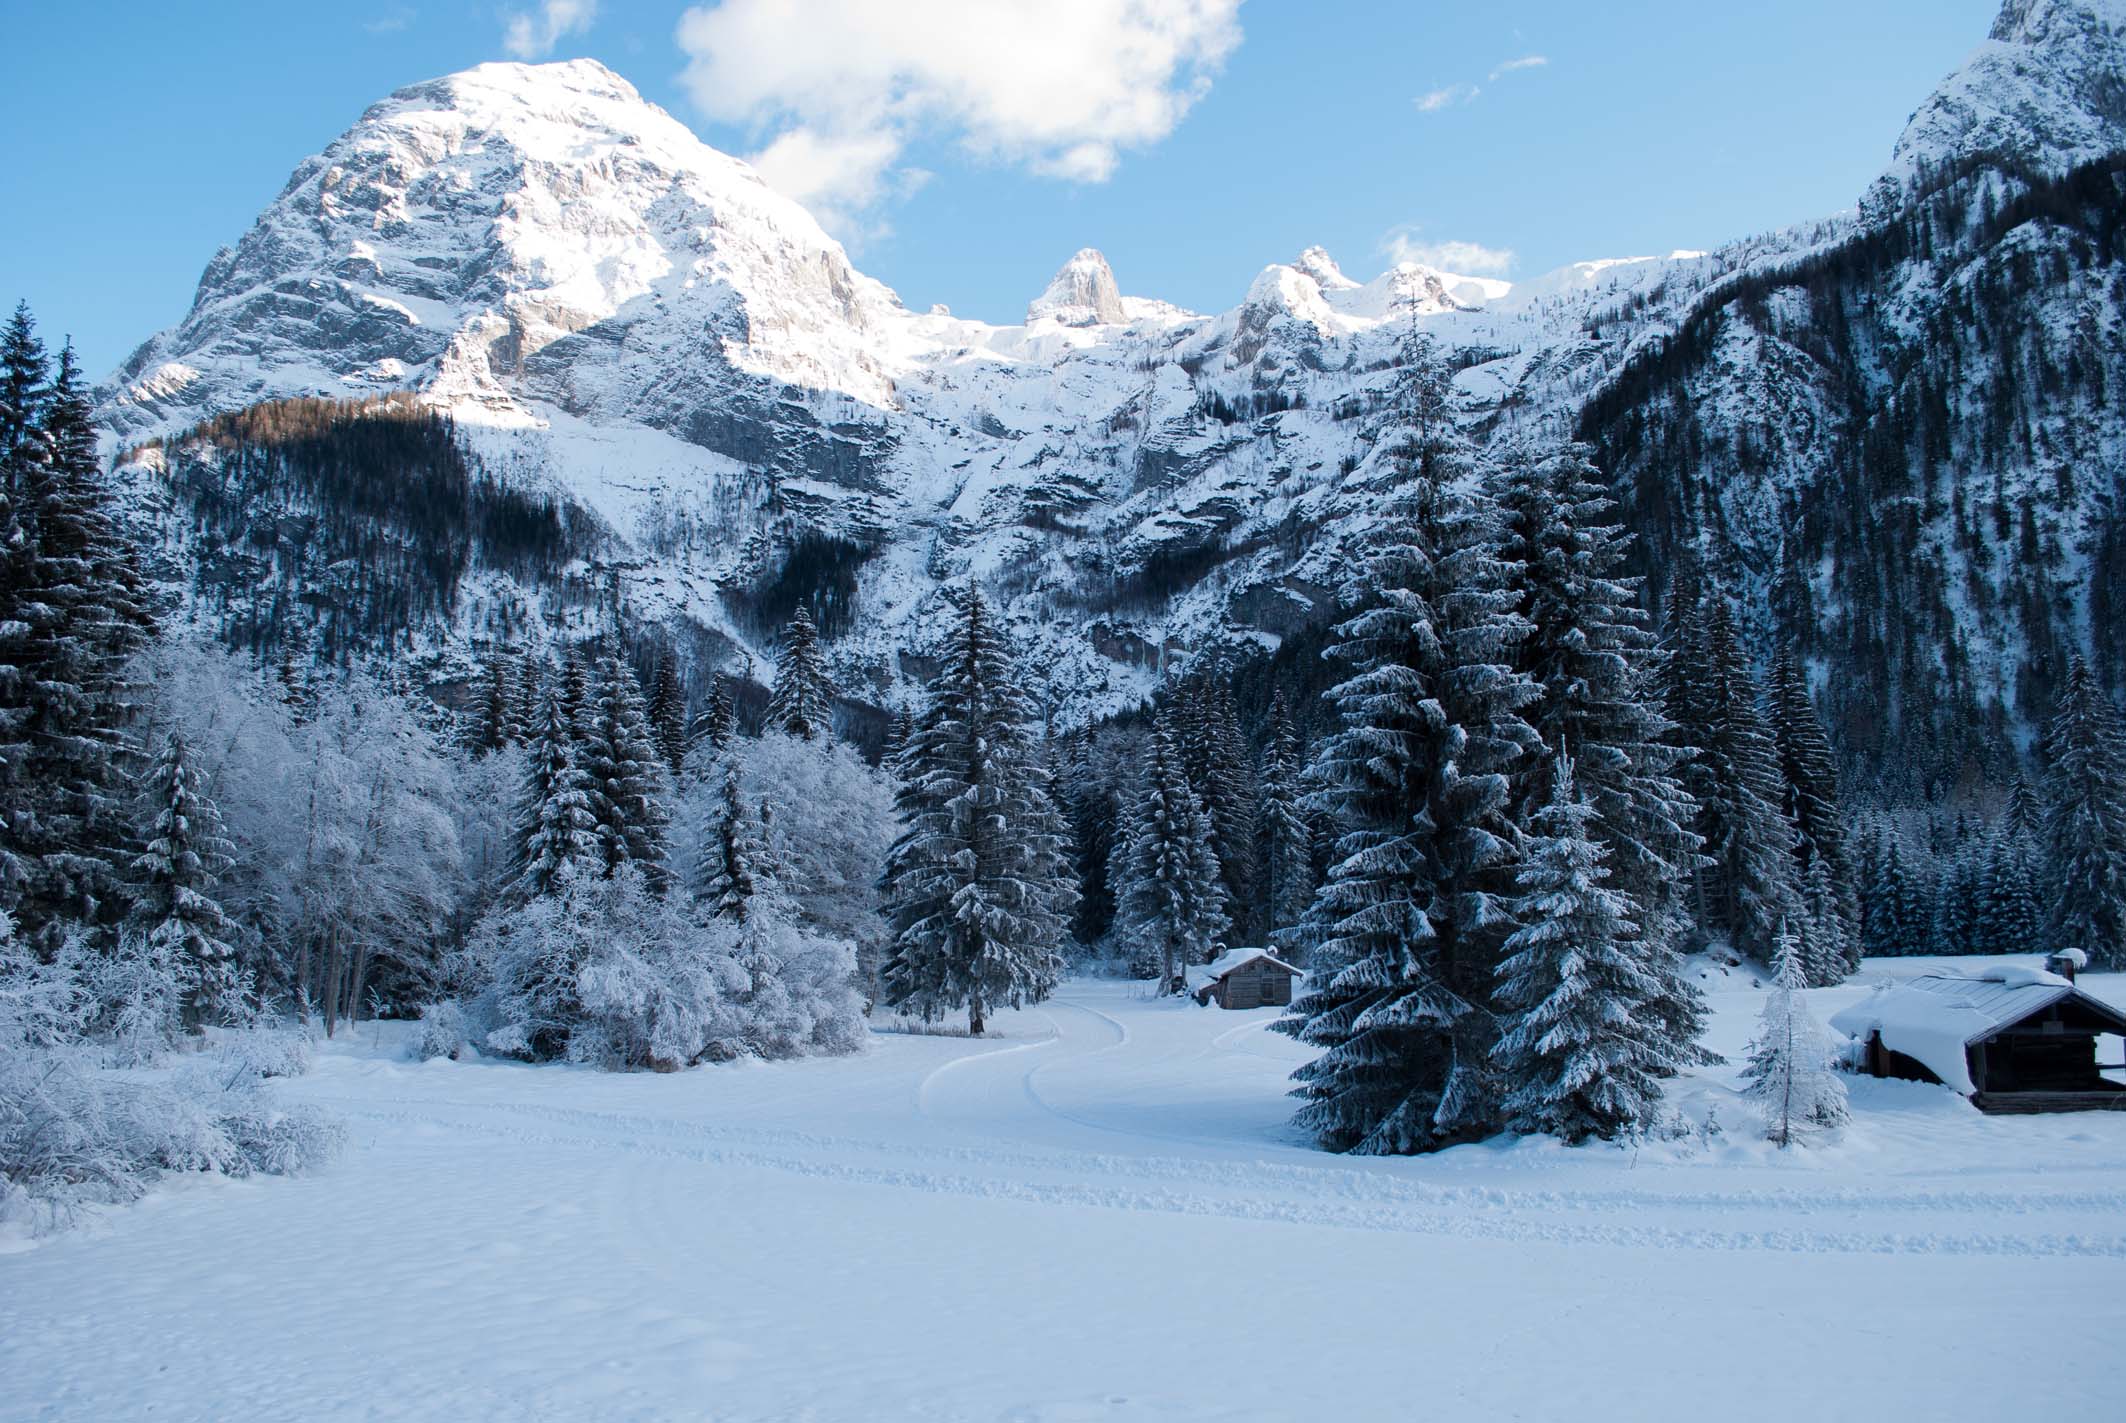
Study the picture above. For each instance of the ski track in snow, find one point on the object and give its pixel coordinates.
(1029, 1226)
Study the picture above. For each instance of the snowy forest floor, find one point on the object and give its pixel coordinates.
(1098, 1212)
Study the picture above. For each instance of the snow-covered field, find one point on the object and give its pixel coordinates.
(1098, 1213)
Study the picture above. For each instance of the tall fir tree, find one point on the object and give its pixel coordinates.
(978, 888)
(1286, 830)
(174, 880)
(1578, 1057)
(556, 833)
(1746, 886)
(1601, 671)
(1170, 899)
(717, 726)
(2085, 821)
(1830, 946)
(1206, 731)
(668, 712)
(496, 710)
(1095, 815)
(802, 703)
(630, 787)
(726, 882)
(73, 610)
(2013, 919)
(1810, 774)
(528, 716)
(1406, 934)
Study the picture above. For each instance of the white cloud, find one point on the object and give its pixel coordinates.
(1463, 259)
(533, 35)
(1526, 61)
(1445, 98)
(842, 87)
(390, 21)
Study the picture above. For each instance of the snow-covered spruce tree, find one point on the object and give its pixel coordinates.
(2085, 822)
(556, 830)
(1960, 903)
(73, 612)
(174, 880)
(717, 726)
(495, 713)
(1285, 828)
(1577, 1056)
(668, 712)
(978, 888)
(1094, 810)
(1812, 803)
(724, 883)
(1900, 921)
(1790, 1076)
(1590, 649)
(1405, 936)
(1830, 951)
(2012, 918)
(802, 703)
(528, 716)
(1746, 888)
(1206, 731)
(630, 789)
(1169, 899)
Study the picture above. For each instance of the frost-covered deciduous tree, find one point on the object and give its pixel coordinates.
(817, 823)
(601, 970)
(978, 888)
(1577, 1056)
(1170, 899)
(1789, 1075)
(174, 879)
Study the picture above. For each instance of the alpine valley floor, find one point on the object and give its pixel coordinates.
(1100, 1212)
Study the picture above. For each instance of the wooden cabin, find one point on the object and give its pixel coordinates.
(1245, 978)
(2011, 1039)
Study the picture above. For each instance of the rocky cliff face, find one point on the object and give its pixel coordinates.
(626, 322)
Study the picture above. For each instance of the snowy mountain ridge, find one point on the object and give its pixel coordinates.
(619, 315)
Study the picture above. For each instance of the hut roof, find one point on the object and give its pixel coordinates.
(1932, 1018)
(1231, 959)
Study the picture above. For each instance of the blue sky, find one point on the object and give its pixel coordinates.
(141, 137)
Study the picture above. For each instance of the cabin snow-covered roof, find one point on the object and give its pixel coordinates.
(1934, 1017)
(1231, 959)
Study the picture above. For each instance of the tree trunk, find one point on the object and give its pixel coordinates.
(332, 980)
(974, 1016)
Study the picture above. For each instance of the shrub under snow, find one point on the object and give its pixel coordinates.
(75, 1130)
(602, 971)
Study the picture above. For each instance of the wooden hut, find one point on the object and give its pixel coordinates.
(1245, 978)
(2011, 1039)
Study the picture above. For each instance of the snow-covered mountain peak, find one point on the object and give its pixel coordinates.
(2046, 90)
(1317, 264)
(465, 225)
(1082, 293)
